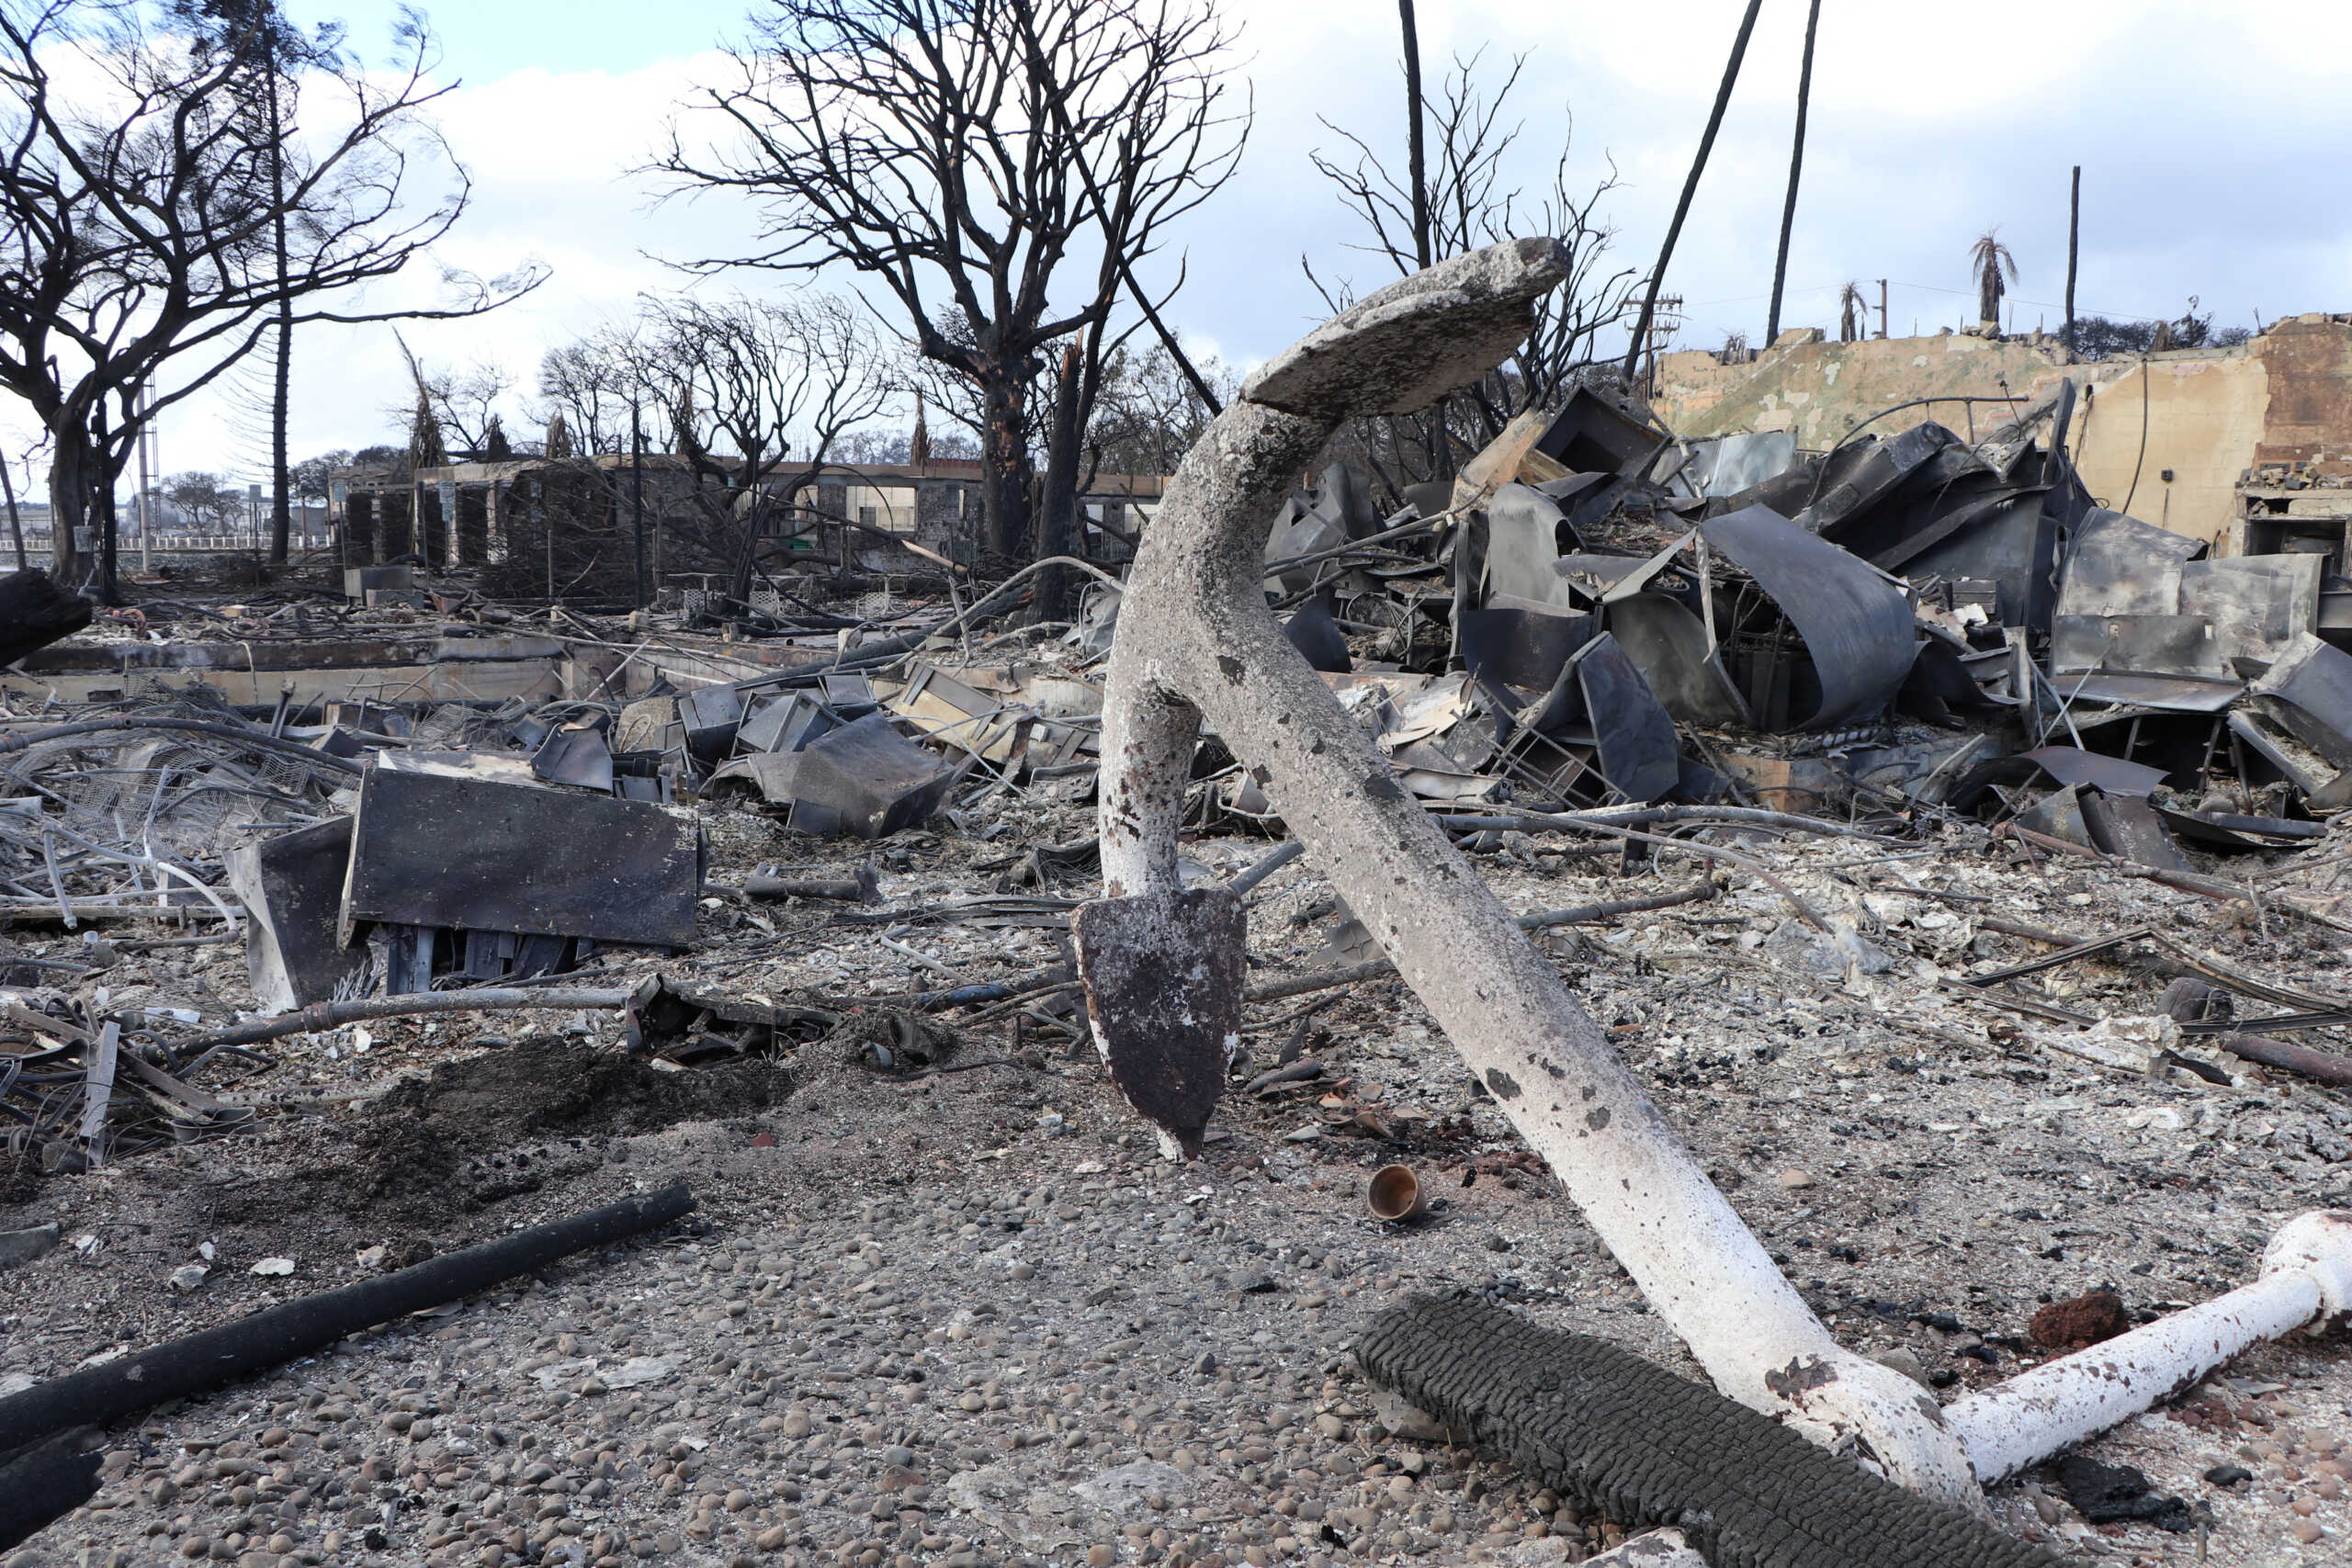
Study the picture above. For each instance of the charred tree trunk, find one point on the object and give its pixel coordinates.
(1416, 136)
(1057, 507)
(73, 475)
(110, 584)
(35, 611)
(1006, 475)
(280, 515)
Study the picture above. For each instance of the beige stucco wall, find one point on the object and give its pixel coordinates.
(2205, 414)
(2211, 413)
(1821, 390)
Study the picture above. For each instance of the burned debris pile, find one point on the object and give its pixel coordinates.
(473, 901)
(1896, 628)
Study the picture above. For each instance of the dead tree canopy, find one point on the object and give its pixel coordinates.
(948, 148)
(139, 211)
(758, 392)
(1467, 201)
(755, 396)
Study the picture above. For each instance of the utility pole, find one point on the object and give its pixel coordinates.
(146, 509)
(1882, 307)
(2074, 243)
(1796, 163)
(1690, 189)
(1415, 148)
(637, 494)
(1663, 326)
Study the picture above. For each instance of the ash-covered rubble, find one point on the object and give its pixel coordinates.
(1942, 851)
(1596, 613)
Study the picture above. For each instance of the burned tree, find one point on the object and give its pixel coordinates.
(755, 395)
(1988, 259)
(949, 150)
(1853, 314)
(139, 220)
(462, 404)
(273, 55)
(1147, 414)
(593, 386)
(1460, 202)
(757, 392)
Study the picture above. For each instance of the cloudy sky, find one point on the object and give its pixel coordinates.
(2210, 136)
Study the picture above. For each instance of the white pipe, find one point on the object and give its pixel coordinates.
(2306, 1276)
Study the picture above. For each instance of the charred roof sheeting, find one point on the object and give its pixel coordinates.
(1856, 623)
(2120, 566)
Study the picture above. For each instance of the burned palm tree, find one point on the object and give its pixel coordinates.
(1853, 314)
(1989, 258)
(425, 447)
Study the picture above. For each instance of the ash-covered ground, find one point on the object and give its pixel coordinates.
(969, 1316)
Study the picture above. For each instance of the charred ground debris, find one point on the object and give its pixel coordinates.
(1951, 858)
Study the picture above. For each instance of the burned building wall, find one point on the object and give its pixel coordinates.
(568, 533)
(1820, 391)
(2204, 411)
(2209, 415)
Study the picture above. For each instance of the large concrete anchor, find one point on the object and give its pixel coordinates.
(1162, 965)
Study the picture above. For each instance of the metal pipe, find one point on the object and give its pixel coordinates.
(2306, 1275)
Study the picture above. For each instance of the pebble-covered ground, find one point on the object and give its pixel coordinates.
(971, 1317)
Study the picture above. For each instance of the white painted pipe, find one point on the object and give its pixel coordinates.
(2306, 1277)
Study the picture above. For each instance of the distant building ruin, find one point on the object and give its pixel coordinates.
(540, 527)
(2249, 446)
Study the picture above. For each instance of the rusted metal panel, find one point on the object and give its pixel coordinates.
(431, 848)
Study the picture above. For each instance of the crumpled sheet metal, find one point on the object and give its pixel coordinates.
(1632, 730)
(2165, 645)
(1523, 547)
(2257, 606)
(1727, 465)
(1670, 646)
(2310, 691)
(2120, 566)
(1522, 648)
(1856, 623)
(2136, 599)
(2113, 775)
